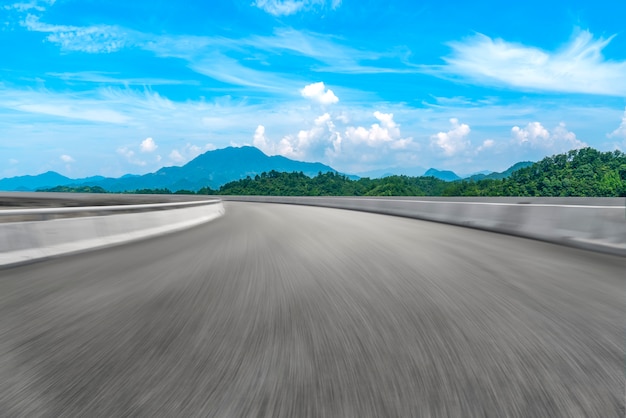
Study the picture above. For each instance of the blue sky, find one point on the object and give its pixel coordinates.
(112, 87)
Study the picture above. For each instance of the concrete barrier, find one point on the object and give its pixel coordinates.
(22, 242)
(597, 224)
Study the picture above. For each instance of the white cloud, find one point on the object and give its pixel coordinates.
(322, 140)
(13, 161)
(148, 145)
(318, 92)
(129, 155)
(487, 143)
(69, 111)
(385, 132)
(38, 5)
(579, 67)
(535, 135)
(453, 141)
(90, 39)
(260, 141)
(620, 132)
(66, 158)
(125, 152)
(176, 156)
(189, 152)
(289, 7)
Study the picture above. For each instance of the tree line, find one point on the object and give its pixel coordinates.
(583, 172)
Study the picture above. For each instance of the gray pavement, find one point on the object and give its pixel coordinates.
(289, 311)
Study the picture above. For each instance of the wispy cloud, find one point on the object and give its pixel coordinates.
(93, 113)
(110, 78)
(203, 53)
(289, 7)
(579, 67)
(25, 6)
(90, 39)
(228, 70)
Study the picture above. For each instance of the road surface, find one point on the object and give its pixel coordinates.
(290, 311)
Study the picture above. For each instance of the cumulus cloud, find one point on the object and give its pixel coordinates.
(385, 132)
(620, 132)
(260, 141)
(66, 158)
(319, 93)
(148, 145)
(453, 141)
(321, 140)
(289, 7)
(579, 67)
(535, 135)
(328, 138)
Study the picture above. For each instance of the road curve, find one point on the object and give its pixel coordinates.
(288, 311)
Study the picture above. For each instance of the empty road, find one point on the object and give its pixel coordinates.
(292, 311)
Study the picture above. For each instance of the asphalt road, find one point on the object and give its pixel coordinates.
(288, 311)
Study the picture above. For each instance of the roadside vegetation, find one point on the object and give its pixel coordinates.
(584, 172)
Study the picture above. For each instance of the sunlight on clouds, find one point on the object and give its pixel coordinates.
(289, 7)
(453, 141)
(66, 158)
(318, 92)
(579, 67)
(535, 135)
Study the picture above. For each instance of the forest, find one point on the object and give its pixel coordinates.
(584, 173)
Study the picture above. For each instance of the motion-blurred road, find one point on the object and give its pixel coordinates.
(291, 311)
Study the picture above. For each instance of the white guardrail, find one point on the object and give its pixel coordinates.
(597, 224)
(29, 237)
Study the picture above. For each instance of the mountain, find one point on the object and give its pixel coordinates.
(41, 181)
(393, 171)
(442, 174)
(502, 175)
(213, 169)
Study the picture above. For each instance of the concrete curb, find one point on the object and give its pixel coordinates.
(588, 223)
(23, 242)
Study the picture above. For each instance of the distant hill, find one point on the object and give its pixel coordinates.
(415, 171)
(212, 169)
(45, 180)
(442, 174)
(499, 176)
